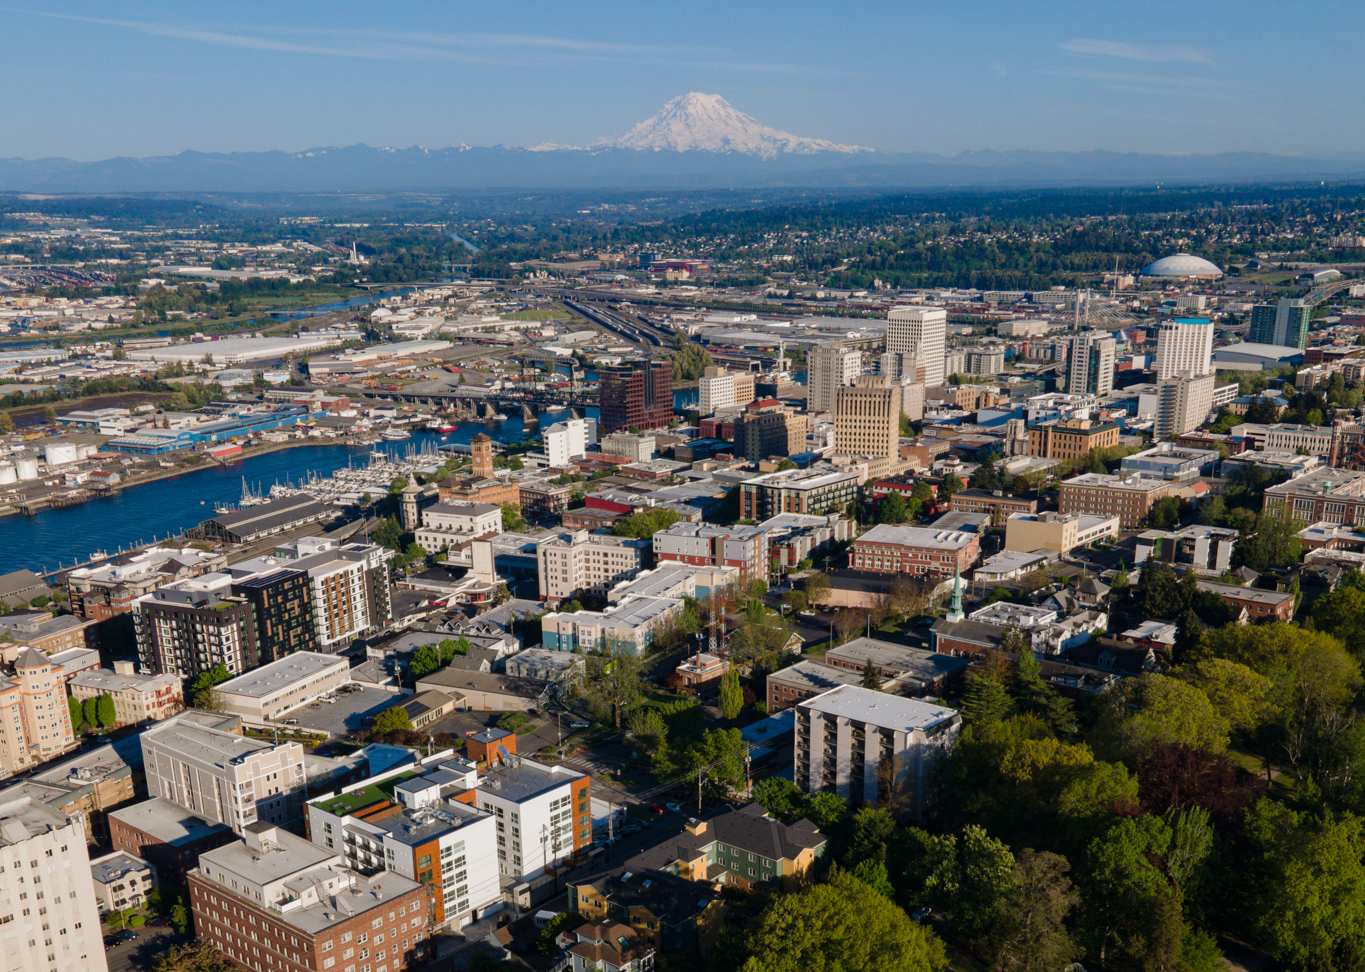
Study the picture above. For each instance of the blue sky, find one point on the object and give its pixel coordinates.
(92, 80)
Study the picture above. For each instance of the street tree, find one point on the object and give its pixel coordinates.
(614, 682)
(731, 695)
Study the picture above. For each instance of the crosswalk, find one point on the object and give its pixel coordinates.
(593, 765)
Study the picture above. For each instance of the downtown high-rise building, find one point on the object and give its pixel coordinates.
(1284, 323)
(922, 332)
(830, 367)
(867, 419)
(1183, 346)
(636, 394)
(1090, 364)
(1183, 403)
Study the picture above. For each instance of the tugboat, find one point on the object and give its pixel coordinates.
(447, 429)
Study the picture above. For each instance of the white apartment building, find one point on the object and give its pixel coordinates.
(220, 776)
(42, 845)
(636, 448)
(443, 844)
(447, 524)
(1090, 364)
(715, 390)
(922, 332)
(1184, 401)
(587, 561)
(543, 815)
(567, 441)
(121, 881)
(628, 626)
(1183, 346)
(269, 692)
(830, 367)
(860, 743)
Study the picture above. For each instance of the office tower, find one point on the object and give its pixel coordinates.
(867, 420)
(221, 776)
(1285, 323)
(636, 394)
(1090, 364)
(923, 332)
(1183, 346)
(1183, 403)
(829, 368)
(769, 428)
(47, 849)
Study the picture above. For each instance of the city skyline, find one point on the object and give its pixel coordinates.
(154, 79)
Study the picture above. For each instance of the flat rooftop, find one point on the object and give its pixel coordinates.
(280, 674)
(168, 822)
(26, 817)
(116, 866)
(878, 708)
(414, 827)
(813, 478)
(525, 780)
(909, 536)
(211, 746)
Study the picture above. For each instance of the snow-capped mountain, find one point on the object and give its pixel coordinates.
(698, 122)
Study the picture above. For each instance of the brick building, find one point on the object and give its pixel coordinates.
(166, 834)
(636, 393)
(892, 549)
(274, 901)
(998, 504)
(1130, 498)
(138, 699)
(769, 428)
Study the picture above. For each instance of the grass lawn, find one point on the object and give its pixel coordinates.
(366, 796)
(1282, 783)
(537, 315)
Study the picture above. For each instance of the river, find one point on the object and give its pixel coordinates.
(169, 506)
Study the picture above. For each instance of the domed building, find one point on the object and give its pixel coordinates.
(1182, 266)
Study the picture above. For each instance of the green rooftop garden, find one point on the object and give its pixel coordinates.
(366, 796)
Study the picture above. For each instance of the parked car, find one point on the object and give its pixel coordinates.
(674, 807)
(291, 722)
(655, 809)
(125, 936)
(919, 914)
(110, 941)
(578, 725)
(807, 614)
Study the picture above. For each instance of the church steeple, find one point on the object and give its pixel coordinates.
(955, 609)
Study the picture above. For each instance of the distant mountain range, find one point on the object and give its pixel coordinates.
(697, 141)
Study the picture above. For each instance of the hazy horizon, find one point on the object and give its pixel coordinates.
(96, 81)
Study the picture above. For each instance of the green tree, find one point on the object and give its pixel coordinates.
(512, 520)
(77, 713)
(780, 799)
(841, 926)
(873, 874)
(872, 677)
(425, 660)
(6, 423)
(951, 485)
(1132, 918)
(816, 587)
(90, 708)
(1341, 613)
(392, 719)
(1139, 714)
(1028, 926)
(648, 728)
(690, 360)
(972, 875)
(1309, 899)
(985, 701)
(643, 524)
(1274, 542)
(1032, 695)
(891, 508)
(1241, 696)
(105, 710)
(873, 830)
(614, 682)
(1165, 513)
(731, 695)
(389, 533)
(195, 956)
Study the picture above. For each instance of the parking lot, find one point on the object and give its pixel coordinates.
(140, 955)
(347, 714)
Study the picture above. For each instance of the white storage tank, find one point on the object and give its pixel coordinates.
(61, 453)
(28, 469)
(8, 474)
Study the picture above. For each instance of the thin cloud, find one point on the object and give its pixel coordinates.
(1136, 52)
(1184, 86)
(468, 48)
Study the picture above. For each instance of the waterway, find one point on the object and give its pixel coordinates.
(169, 506)
(332, 307)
